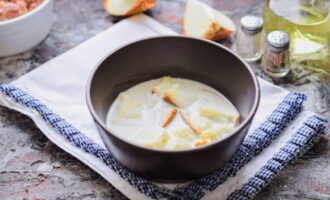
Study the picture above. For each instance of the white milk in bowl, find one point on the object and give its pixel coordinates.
(172, 113)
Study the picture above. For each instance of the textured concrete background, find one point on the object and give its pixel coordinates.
(31, 167)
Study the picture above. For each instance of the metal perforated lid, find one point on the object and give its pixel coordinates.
(279, 39)
(252, 23)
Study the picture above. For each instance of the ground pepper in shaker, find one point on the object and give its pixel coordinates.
(248, 42)
(276, 59)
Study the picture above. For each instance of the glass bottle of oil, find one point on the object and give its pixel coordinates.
(308, 24)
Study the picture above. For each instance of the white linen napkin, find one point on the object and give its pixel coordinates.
(67, 74)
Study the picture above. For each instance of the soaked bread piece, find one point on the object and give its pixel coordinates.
(128, 108)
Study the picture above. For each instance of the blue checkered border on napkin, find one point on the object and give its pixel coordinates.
(260, 139)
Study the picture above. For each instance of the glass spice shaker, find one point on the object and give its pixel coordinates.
(276, 59)
(248, 42)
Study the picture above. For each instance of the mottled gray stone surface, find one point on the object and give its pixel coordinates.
(31, 167)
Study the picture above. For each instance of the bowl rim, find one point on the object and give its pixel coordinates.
(26, 15)
(162, 150)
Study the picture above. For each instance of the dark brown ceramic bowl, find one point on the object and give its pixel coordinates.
(177, 56)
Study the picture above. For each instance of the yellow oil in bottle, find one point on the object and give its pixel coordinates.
(308, 24)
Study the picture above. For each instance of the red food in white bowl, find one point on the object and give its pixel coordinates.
(23, 24)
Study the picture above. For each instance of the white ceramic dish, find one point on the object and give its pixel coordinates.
(24, 32)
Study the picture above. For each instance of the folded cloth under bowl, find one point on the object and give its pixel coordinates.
(280, 132)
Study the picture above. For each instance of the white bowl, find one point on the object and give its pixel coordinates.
(24, 32)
